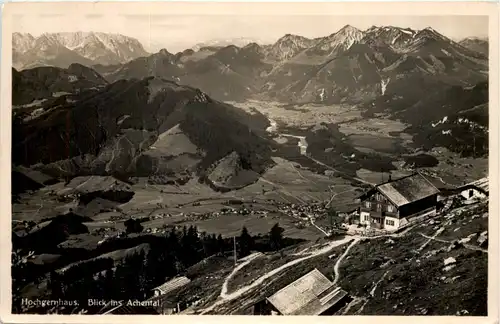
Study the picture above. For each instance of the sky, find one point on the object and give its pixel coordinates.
(176, 32)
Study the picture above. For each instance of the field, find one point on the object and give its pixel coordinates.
(302, 116)
(457, 170)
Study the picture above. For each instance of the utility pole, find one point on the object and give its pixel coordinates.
(234, 244)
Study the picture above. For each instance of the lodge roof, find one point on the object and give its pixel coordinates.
(312, 294)
(172, 285)
(407, 189)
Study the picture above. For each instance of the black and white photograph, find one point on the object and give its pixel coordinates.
(248, 163)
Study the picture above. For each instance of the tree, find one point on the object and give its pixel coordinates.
(276, 237)
(220, 244)
(173, 240)
(333, 218)
(130, 276)
(133, 226)
(55, 285)
(246, 242)
(108, 283)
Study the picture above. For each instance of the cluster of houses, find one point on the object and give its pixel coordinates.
(303, 211)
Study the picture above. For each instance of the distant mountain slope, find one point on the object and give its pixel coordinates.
(130, 128)
(396, 37)
(328, 47)
(452, 116)
(288, 46)
(476, 44)
(360, 67)
(230, 73)
(355, 74)
(239, 42)
(43, 83)
(63, 49)
(47, 51)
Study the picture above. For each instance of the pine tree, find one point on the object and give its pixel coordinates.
(220, 244)
(108, 285)
(55, 285)
(276, 237)
(246, 243)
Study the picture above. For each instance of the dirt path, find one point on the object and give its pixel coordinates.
(319, 228)
(336, 194)
(430, 238)
(353, 302)
(336, 267)
(261, 279)
(372, 292)
(467, 246)
(248, 259)
(333, 169)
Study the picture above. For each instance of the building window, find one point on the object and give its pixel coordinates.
(471, 193)
(379, 207)
(389, 208)
(389, 222)
(368, 204)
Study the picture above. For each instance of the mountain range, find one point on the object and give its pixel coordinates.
(345, 65)
(476, 43)
(238, 41)
(63, 49)
(113, 109)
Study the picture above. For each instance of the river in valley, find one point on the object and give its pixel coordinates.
(273, 129)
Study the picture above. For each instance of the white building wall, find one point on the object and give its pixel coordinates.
(364, 218)
(388, 225)
(475, 194)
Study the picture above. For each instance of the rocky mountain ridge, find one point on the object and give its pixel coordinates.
(57, 49)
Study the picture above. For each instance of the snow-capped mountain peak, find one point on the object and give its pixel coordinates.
(396, 37)
(289, 46)
(341, 40)
(101, 48)
(22, 42)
